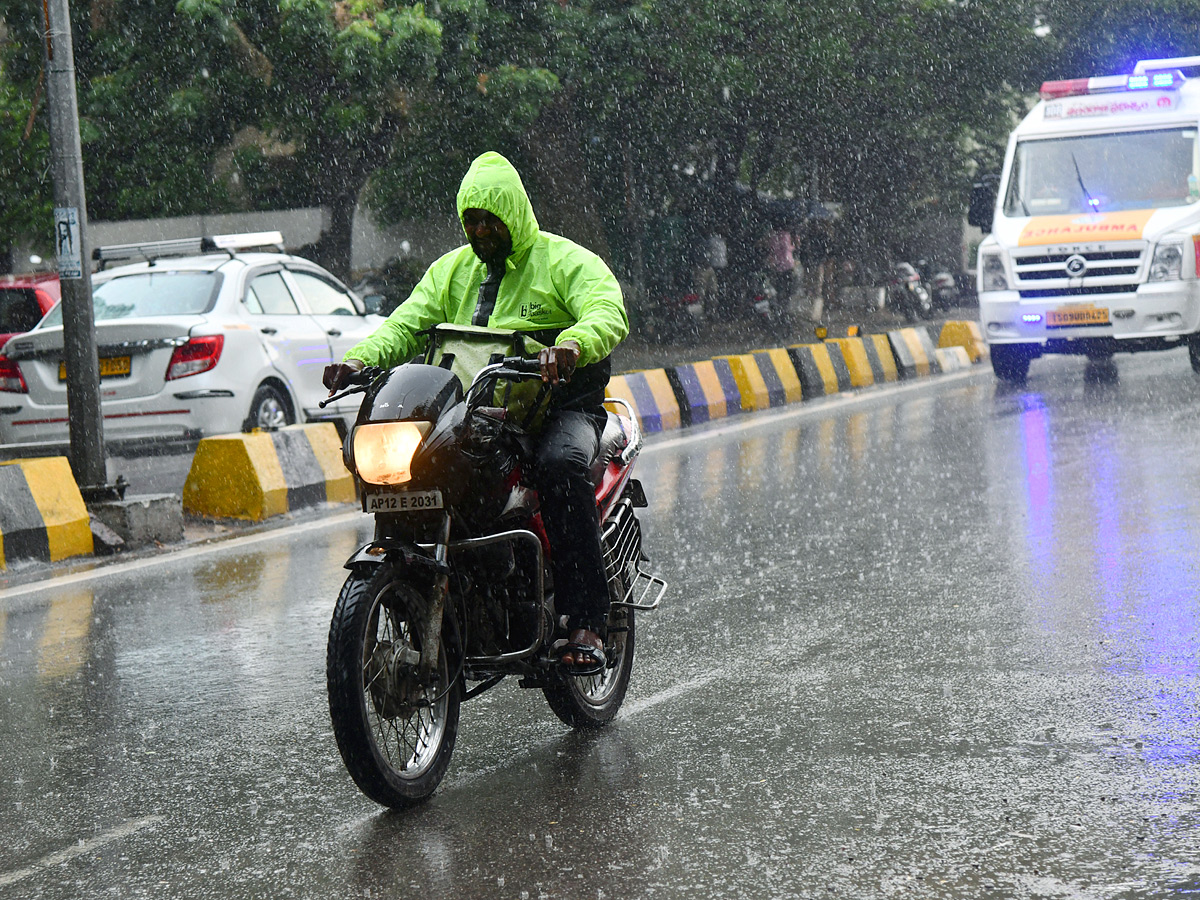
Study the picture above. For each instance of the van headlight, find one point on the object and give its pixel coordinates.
(383, 451)
(992, 276)
(1167, 264)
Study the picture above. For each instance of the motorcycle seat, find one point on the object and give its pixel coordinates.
(613, 439)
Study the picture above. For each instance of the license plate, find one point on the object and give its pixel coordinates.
(1076, 315)
(110, 367)
(401, 501)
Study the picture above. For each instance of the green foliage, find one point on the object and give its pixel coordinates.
(622, 110)
(26, 210)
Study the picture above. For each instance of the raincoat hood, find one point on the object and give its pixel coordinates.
(493, 184)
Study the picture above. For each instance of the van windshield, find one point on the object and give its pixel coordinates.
(1104, 173)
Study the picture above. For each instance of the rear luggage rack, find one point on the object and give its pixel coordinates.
(623, 555)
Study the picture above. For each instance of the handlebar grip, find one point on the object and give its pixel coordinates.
(365, 376)
(521, 364)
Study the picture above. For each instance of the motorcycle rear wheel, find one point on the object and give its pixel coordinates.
(395, 733)
(593, 700)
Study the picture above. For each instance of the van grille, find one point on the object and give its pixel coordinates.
(1106, 272)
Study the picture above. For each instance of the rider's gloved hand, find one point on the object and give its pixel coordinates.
(338, 375)
(558, 362)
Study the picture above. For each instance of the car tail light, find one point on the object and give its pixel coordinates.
(198, 355)
(11, 380)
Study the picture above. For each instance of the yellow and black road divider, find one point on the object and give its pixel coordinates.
(692, 393)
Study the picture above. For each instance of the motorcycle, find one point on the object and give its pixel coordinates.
(455, 591)
(944, 288)
(907, 295)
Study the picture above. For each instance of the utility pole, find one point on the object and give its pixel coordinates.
(71, 246)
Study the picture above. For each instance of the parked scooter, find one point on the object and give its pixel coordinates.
(907, 294)
(944, 291)
(455, 588)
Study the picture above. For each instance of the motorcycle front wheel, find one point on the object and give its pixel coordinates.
(395, 729)
(590, 701)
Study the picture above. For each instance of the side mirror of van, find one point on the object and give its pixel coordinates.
(983, 202)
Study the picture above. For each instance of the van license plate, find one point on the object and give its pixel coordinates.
(401, 501)
(1076, 315)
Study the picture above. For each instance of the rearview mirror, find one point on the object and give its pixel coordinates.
(983, 202)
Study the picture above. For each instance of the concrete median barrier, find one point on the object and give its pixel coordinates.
(910, 357)
(879, 353)
(729, 386)
(698, 391)
(42, 514)
(966, 335)
(752, 388)
(928, 347)
(262, 474)
(815, 369)
(952, 359)
(783, 384)
(652, 397)
(858, 364)
(838, 361)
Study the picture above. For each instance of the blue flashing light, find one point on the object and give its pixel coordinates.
(1138, 82)
(1163, 80)
(1094, 202)
(1031, 318)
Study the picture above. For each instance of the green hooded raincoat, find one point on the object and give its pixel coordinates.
(551, 286)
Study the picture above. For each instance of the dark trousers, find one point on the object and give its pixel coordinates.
(567, 446)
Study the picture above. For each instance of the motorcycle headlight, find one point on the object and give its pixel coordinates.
(383, 451)
(991, 272)
(1167, 264)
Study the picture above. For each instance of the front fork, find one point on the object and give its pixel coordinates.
(432, 627)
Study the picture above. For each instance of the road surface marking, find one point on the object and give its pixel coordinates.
(79, 849)
(158, 560)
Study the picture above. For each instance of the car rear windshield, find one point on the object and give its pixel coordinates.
(151, 294)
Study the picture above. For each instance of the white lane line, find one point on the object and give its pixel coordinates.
(62, 856)
(831, 403)
(158, 560)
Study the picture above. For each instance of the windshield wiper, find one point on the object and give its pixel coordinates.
(1093, 204)
(1017, 196)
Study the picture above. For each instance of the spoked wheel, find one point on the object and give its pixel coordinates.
(592, 700)
(395, 730)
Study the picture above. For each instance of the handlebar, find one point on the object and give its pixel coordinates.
(360, 381)
(522, 365)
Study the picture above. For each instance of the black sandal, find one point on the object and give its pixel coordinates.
(597, 664)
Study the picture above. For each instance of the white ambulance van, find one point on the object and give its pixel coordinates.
(1095, 229)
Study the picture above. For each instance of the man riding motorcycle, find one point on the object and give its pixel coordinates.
(512, 275)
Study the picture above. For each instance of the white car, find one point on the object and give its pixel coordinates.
(193, 341)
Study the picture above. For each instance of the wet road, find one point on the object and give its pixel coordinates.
(933, 642)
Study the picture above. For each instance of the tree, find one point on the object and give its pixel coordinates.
(24, 164)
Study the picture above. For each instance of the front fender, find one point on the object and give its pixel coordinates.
(400, 554)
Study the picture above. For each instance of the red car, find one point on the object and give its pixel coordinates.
(24, 299)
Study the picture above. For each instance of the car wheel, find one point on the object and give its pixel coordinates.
(270, 409)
